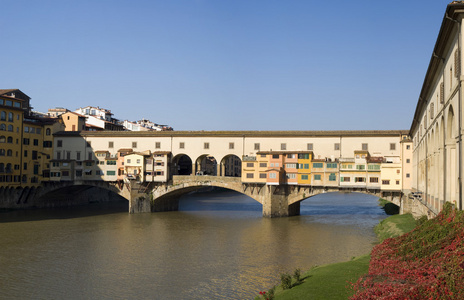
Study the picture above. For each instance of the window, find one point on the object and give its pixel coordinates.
(9, 152)
(78, 155)
(231, 145)
(10, 117)
(331, 165)
(275, 156)
(392, 146)
(206, 146)
(290, 155)
(34, 154)
(48, 131)
(68, 154)
(359, 179)
(385, 182)
(157, 145)
(25, 153)
(337, 146)
(318, 165)
(110, 173)
(25, 166)
(10, 128)
(291, 176)
(374, 179)
(250, 165)
(306, 166)
(364, 147)
(283, 146)
(3, 116)
(373, 167)
(181, 145)
(110, 144)
(408, 161)
(249, 175)
(408, 175)
(332, 177)
(9, 140)
(263, 165)
(397, 182)
(309, 146)
(134, 144)
(128, 161)
(317, 177)
(262, 175)
(345, 179)
(59, 143)
(360, 167)
(397, 171)
(36, 142)
(272, 175)
(303, 156)
(304, 177)
(290, 166)
(256, 146)
(408, 147)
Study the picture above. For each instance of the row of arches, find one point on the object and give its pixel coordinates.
(4, 139)
(230, 165)
(437, 162)
(4, 127)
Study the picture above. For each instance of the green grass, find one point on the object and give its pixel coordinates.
(332, 281)
(395, 226)
(327, 282)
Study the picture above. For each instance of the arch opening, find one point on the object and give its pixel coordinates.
(231, 166)
(181, 165)
(206, 165)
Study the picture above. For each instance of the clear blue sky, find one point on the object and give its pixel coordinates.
(224, 65)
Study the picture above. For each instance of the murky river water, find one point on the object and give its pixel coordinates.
(216, 247)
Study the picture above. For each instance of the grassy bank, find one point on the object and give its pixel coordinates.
(332, 281)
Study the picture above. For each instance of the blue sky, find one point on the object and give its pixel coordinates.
(224, 65)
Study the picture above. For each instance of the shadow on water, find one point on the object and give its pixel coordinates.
(79, 211)
(218, 200)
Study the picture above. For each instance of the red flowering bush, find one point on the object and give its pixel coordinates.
(427, 263)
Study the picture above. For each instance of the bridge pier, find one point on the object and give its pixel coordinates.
(275, 202)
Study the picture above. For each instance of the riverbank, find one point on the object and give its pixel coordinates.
(332, 281)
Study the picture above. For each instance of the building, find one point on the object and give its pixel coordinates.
(99, 118)
(437, 126)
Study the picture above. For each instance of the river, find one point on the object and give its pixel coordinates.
(217, 246)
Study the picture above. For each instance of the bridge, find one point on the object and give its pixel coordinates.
(276, 200)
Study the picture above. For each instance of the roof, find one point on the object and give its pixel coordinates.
(74, 113)
(7, 91)
(240, 134)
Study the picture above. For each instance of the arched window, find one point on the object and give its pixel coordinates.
(3, 127)
(9, 152)
(2, 168)
(10, 117)
(9, 169)
(2, 152)
(9, 140)
(3, 116)
(47, 132)
(10, 128)
(2, 139)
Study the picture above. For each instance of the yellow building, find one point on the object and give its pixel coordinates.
(13, 105)
(304, 168)
(254, 168)
(73, 121)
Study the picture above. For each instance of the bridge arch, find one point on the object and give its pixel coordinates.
(206, 164)
(181, 164)
(231, 165)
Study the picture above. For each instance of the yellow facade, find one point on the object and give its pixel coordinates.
(304, 168)
(11, 120)
(254, 168)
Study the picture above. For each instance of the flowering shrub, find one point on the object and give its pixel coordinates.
(427, 263)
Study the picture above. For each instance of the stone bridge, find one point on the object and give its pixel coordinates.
(277, 200)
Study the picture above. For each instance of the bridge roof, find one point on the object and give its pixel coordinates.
(336, 133)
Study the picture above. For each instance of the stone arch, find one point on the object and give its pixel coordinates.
(231, 165)
(450, 124)
(181, 164)
(69, 194)
(206, 165)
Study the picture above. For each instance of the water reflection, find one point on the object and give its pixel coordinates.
(216, 247)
